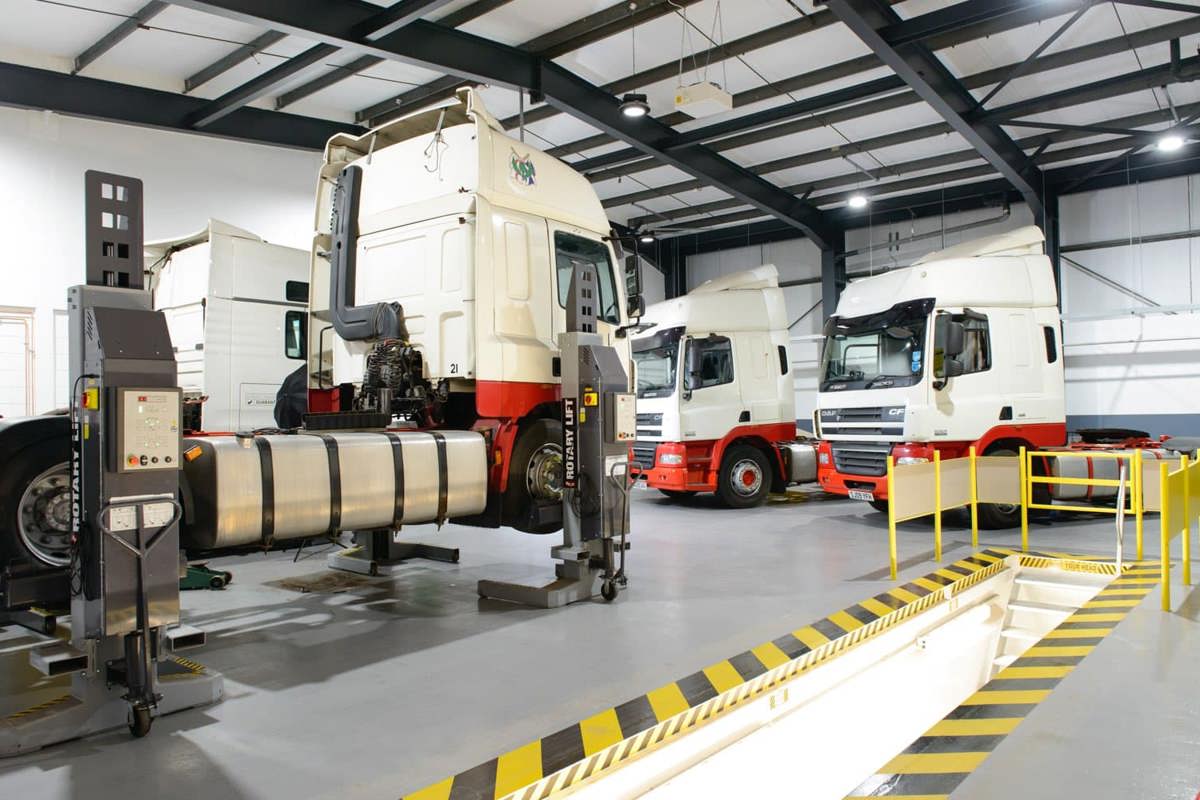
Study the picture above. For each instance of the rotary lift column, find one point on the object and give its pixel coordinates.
(125, 564)
(599, 423)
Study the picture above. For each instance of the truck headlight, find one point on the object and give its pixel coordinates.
(823, 458)
(670, 459)
(911, 460)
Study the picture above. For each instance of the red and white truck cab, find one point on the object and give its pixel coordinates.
(716, 404)
(961, 349)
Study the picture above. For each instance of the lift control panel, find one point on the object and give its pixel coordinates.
(148, 435)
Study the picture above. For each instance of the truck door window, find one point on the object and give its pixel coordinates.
(295, 334)
(711, 363)
(570, 250)
(977, 344)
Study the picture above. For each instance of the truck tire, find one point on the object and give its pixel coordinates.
(879, 505)
(35, 505)
(744, 480)
(534, 474)
(678, 494)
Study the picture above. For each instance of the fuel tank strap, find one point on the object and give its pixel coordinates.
(398, 472)
(443, 477)
(335, 484)
(267, 470)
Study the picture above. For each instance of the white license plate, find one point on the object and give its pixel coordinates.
(859, 494)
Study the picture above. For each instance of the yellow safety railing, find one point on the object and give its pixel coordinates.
(1180, 499)
(929, 489)
(1133, 481)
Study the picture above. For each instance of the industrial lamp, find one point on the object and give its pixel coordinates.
(633, 104)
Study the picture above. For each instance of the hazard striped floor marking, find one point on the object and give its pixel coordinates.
(587, 746)
(936, 763)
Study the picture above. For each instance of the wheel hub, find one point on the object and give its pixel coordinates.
(746, 477)
(44, 516)
(543, 475)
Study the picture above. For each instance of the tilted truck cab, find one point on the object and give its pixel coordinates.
(716, 404)
(451, 247)
(960, 350)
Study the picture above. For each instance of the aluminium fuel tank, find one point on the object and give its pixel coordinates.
(249, 490)
(1100, 467)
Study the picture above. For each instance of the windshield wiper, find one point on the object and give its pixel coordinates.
(871, 383)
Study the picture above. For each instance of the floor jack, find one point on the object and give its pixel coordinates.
(599, 423)
(124, 583)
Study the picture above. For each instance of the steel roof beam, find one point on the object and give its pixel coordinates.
(379, 25)
(231, 60)
(339, 74)
(27, 87)
(431, 45)
(580, 33)
(938, 87)
(118, 34)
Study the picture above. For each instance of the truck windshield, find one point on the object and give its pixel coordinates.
(876, 350)
(656, 371)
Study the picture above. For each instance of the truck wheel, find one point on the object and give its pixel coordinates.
(745, 477)
(999, 516)
(879, 505)
(678, 494)
(35, 505)
(535, 474)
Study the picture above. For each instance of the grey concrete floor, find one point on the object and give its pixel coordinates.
(394, 683)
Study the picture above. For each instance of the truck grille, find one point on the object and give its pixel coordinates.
(643, 453)
(861, 458)
(649, 424)
(891, 417)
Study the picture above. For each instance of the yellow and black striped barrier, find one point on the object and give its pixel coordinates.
(604, 740)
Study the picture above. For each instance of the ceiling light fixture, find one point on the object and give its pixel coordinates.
(858, 200)
(1170, 143)
(646, 238)
(633, 104)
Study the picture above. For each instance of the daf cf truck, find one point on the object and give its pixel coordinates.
(716, 400)
(962, 349)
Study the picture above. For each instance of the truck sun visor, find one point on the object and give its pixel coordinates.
(355, 322)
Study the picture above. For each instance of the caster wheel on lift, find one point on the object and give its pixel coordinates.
(228, 576)
(216, 582)
(139, 721)
(608, 590)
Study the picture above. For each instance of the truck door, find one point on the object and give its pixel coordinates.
(523, 297)
(711, 402)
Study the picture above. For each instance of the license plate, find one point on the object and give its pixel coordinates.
(859, 494)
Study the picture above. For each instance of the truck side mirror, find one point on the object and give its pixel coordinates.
(955, 339)
(633, 286)
(691, 370)
(295, 334)
(950, 368)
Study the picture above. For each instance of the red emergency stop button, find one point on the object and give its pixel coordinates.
(133, 461)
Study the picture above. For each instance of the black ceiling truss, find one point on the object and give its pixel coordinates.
(110, 40)
(75, 95)
(377, 26)
(942, 91)
(1065, 58)
(474, 58)
(592, 28)
(360, 63)
(232, 59)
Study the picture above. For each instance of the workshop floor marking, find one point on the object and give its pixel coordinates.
(933, 768)
(936, 763)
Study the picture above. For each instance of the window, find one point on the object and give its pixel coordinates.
(656, 371)
(710, 362)
(295, 334)
(571, 250)
(976, 355)
(876, 351)
(296, 291)
(1051, 344)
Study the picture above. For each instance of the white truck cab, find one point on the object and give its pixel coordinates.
(716, 405)
(962, 349)
(230, 300)
(449, 247)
